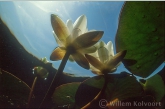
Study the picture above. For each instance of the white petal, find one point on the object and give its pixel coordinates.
(81, 24)
(87, 39)
(110, 49)
(69, 40)
(57, 40)
(69, 24)
(91, 49)
(94, 62)
(103, 53)
(76, 32)
(92, 30)
(81, 60)
(95, 70)
(92, 67)
(95, 54)
(57, 54)
(86, 30)
(59, 28)
(116, 59)
(102, 44)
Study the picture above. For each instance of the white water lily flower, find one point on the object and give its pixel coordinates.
(74, 38)
(104, 61)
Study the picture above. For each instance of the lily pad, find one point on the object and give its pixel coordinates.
(14, 92)
(141, 33)
(88, 90)
(155, 86)
(64, 95)
(120, 86)
(123, 87)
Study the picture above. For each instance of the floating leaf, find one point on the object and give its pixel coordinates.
(155, 86)
(120, 86)
(64, 95)
(88, 90)
(14, 92)
(141, 33)
(123, 87)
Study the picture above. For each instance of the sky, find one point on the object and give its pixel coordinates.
(30, 22)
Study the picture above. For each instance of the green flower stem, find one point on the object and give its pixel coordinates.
(105, 85)
(56, 77)
(31, 92)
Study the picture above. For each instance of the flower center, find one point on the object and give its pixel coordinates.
(71, 49)
(105, 71)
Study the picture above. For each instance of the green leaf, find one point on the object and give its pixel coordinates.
(155, 86)
(141, 33)
(96, 82)
(14, 92)
(88, 90)
(123, 87)
(65, 94)
(120, 86)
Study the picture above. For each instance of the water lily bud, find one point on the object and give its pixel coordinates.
(44, 60)
(40, 72)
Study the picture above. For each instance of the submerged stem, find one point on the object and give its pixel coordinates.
(31, 92)
(57, 76)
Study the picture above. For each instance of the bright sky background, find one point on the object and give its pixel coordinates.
(30, 23)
